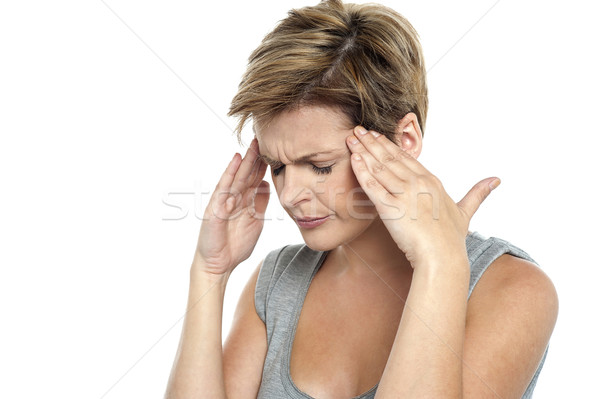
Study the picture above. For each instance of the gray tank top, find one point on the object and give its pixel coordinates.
(283, 282)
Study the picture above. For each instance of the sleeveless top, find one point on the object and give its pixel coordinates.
(281, 288)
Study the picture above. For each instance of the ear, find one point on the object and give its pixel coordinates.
(410, 137)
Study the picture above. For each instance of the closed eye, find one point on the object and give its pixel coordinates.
(278, 170)
(320, 171)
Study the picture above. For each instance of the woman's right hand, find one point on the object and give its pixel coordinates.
(234, 217)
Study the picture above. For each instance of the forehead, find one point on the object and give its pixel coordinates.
(308, 129)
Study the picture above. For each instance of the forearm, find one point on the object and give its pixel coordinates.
(426, 357)
(198, 367)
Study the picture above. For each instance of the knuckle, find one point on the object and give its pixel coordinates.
(388, 158)
(403, 154)
(371, 183)
(378, 168)
(421, 183)
(368, 138)
(429, 179)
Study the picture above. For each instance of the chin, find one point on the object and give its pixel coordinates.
(320, 246)
(330, 238)
(319, 240)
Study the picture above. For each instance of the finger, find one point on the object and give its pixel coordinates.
(374, 190)
(388, 178)
(261, 199)
(248, 163)
(250, 180)
(220, 203)
(252, 164)
(260, 173)
(386, 162)
(476, 195)
(385, 150)
(224, 184)
(250, 190)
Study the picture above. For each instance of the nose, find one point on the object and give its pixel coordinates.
(296, 187)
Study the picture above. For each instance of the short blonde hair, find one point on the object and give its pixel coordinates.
(364, 59)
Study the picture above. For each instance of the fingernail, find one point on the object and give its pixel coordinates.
(494, 183)
(360, 130)
(353, 140)
(375, 134)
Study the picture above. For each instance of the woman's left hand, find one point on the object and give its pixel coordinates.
(412, 203)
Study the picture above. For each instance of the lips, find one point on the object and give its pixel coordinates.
(311, 222)
(310, 219)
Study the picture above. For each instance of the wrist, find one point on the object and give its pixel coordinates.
(202, 271)
(219, 265)
(455, 260)
(440, 249)
(450, 275)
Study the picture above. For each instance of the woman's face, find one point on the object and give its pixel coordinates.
(310, 166)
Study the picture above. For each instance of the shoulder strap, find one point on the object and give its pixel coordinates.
(482, 251)
(271, 269)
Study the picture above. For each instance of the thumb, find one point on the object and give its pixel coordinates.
(261, 199)
(476, 195)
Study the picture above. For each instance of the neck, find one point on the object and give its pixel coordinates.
(372, 251)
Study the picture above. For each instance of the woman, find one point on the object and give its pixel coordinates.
(390, 296)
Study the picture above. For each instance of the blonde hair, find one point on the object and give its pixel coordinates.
(364, 59)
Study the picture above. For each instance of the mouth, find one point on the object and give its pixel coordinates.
(311, 222)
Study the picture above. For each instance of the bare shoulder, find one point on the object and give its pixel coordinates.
(245, 348)
(511, 314)
(519, 282)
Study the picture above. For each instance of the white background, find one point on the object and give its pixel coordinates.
(111, 110)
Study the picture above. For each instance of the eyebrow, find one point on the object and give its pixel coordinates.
(304, 158)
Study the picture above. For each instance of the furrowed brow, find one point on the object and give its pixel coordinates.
(271, 162)
(301, 159)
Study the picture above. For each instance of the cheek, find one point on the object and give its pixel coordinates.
(349, 182)
(341, 191)
(355, 202)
